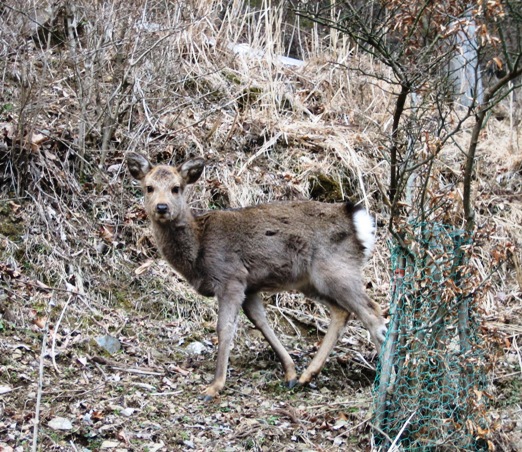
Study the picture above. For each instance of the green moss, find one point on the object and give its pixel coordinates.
(122, 298)
(119, 292)
(249, 96)
(10, 226)
(6, 108)
(324, 188)
(232, 77)
(11, 230)
(200, 85)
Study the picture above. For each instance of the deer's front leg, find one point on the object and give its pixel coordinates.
(229, 305)
(255, 311)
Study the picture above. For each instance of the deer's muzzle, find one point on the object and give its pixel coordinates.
(162, 209)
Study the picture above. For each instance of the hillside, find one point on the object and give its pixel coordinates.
(82, 85)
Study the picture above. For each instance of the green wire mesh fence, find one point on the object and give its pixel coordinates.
(429, 387)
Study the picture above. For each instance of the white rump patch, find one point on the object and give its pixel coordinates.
(365, 230)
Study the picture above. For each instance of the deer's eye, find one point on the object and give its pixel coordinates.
(175, 190)
(150, 189)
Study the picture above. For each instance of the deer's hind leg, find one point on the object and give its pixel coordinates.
(340, 289)
(255, 311)
(343, 286)
(338, 320)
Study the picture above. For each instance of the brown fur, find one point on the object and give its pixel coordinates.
(306, 246)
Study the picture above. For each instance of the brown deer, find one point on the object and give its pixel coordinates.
(315, 248)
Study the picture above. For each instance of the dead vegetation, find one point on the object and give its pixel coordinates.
(80, 86)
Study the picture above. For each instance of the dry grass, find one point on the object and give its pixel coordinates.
(76, 255)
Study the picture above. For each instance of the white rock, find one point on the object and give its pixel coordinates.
(127, 411)
(60, 423)
(196, 348)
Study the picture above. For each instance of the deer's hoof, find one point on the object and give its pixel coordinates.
(291, 384)
(206, 397)
(304, 380)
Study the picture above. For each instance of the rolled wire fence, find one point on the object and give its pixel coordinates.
(429, 387)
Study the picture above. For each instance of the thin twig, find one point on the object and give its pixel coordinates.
(116, 366)
(40, 387)
(351, 429)
(53, 346)
(381, 432)
(263, 149)
(393, 446)
(171, 393)
(357, 402)
(105, 376)
(137, 371)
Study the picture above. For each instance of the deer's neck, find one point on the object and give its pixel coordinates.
(179, 244)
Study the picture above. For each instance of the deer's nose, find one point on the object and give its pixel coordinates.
(162, 208)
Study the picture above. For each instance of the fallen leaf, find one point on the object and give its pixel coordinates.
(340, 424)
(343, 417)
(122, 436)
(8, 129)
(97, 415)
(107, 233)
(82, 360)
(40, 322)
(38, 138)
(181, 371)
(109, 444)
(153, 447)
(41, 285)
(50, 156)
(114, 168)
(143, 268)
(15, 207)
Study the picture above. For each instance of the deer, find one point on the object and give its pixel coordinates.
(311, 247)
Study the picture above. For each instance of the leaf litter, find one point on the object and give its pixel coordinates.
(77, 259)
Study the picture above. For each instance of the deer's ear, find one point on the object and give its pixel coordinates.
(191, 170)
(138, 165)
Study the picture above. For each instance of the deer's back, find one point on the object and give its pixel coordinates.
(275, 246)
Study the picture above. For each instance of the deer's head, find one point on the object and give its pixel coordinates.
(163, 186)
